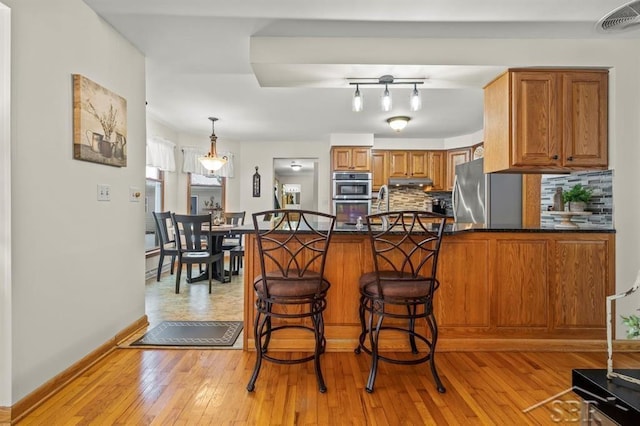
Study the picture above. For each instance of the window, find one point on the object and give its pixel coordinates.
(153, 202)
(206, 194)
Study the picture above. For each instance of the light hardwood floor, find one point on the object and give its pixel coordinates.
(207, 387)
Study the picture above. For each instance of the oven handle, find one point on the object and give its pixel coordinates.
(350, 197)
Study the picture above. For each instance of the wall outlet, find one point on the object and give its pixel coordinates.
(134, 194)
(104, 192)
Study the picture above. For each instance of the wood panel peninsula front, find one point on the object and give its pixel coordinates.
(501, 289)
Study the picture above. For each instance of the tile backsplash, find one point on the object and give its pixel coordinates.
(413, 198)
(600, 204)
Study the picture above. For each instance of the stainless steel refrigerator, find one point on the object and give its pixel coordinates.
(494, 199)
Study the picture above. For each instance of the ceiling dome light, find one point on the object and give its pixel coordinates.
(211, 161)
(415, 101)
(296, 167)
(358, 103)
(398, 123)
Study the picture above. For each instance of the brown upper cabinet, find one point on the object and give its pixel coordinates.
(350, 158)
(396, 163)
(455, 157)
(379, 169)
(408, 164)
(546, 121)
(437, 167)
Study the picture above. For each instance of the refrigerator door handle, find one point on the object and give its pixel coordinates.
(454, 198)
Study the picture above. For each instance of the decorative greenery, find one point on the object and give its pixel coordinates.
(577, 193)
(633, 324)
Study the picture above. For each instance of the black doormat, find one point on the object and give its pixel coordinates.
(191, 333)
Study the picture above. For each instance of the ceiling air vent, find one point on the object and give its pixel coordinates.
(626, 17)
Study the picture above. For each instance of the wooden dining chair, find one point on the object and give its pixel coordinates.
(233, 242)
(195, 246)
(168, 245)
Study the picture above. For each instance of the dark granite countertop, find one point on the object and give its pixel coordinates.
(457, 228)
(453, 229)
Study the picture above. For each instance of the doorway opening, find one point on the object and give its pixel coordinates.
(295, 183)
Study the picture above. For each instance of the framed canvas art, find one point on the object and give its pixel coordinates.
(99, 124)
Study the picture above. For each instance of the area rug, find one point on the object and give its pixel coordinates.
(192, 333)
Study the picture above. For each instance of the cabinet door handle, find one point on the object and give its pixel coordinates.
(555, 157)
(569, 158)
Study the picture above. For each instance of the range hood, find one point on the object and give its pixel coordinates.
(409, 181)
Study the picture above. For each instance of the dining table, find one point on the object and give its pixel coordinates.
(216, 234)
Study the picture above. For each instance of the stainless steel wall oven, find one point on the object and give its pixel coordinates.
(351, 196)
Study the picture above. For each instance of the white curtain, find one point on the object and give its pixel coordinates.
(190, 163)
(160, 154)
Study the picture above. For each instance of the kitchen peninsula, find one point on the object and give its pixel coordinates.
(500, 289)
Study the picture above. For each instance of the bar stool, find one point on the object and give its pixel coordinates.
(402, 286)
(292, 285)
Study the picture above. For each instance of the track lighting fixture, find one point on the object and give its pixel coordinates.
(386, 103)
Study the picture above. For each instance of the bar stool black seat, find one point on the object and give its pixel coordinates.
(291, 285)
(405, 247)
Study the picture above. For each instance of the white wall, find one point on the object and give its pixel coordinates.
(78, 267)
(351, 139)
(308, 194)
(464, 140)
(261, 154)
(5, 206)
(408, 143)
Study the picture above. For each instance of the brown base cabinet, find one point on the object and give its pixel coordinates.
(498, 291)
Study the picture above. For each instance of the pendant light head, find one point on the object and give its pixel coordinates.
(398, 123)
(358, 104)
(386, 101)
(415, 101)
(211, 161)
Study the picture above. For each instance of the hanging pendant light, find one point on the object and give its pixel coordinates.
(358, 104)
(386, 101)
(415, 101)
(211, 161)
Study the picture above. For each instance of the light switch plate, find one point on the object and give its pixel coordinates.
(134, 194)
(104, 192)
